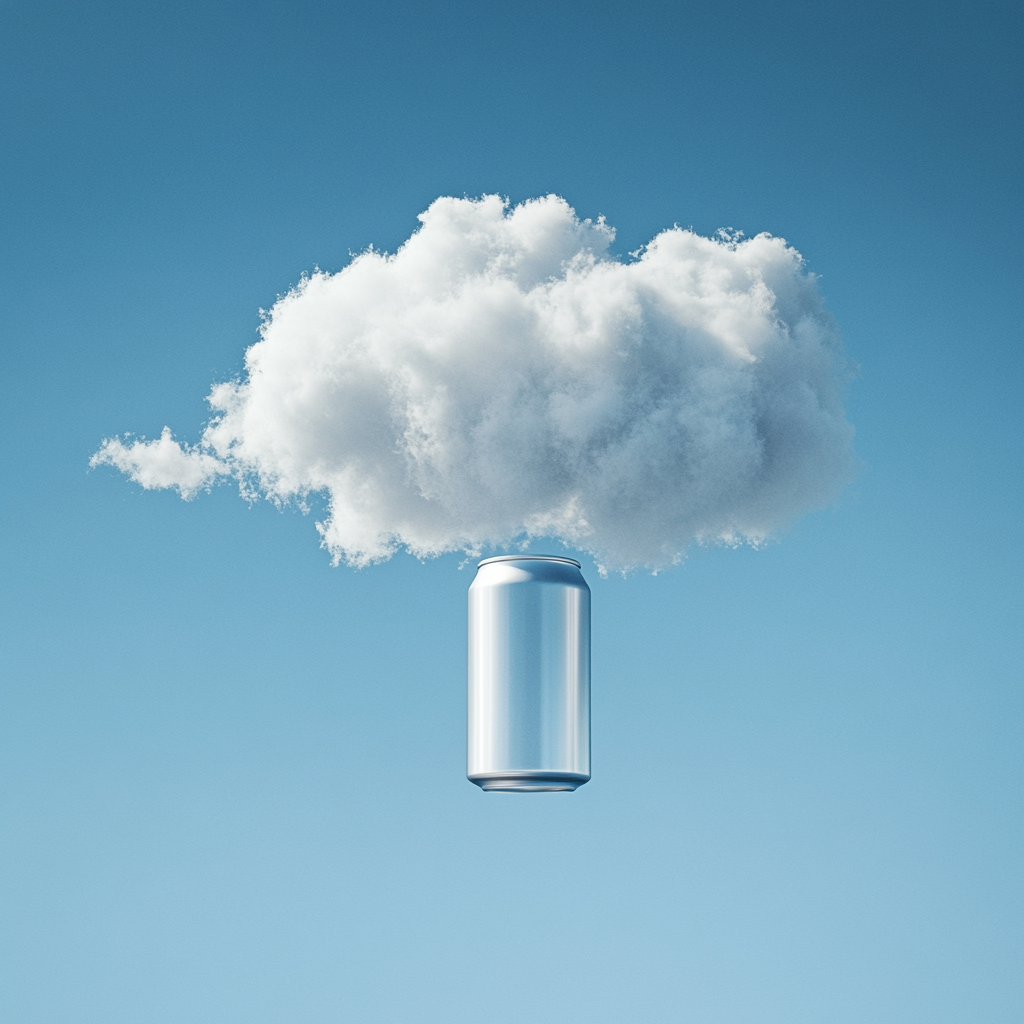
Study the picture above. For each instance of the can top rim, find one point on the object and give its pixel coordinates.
(529, 558)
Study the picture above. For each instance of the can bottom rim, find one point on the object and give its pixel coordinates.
(529, 782)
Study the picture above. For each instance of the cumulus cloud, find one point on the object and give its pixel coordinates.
(501, 377)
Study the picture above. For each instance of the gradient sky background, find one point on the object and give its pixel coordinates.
(233, 776)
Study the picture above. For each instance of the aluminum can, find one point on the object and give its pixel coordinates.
(529, 675)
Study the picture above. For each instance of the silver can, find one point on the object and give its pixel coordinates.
(529, 675)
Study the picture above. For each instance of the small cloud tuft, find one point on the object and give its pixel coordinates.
(161, 463)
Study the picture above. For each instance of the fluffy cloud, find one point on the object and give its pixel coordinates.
(501, 377)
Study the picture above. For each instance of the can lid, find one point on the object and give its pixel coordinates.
(529, 558)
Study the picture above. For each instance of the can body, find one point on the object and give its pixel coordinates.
(529, 675)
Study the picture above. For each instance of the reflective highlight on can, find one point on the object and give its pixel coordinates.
(529, 675)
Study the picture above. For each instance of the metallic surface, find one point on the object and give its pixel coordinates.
(529, 675)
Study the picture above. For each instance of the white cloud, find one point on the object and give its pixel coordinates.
(501, 376)
(161, 463)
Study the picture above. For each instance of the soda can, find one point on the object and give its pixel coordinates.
(529, 675)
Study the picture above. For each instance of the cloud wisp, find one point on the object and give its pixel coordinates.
(501, 377)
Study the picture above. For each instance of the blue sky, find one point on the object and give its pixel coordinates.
(234, 775)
